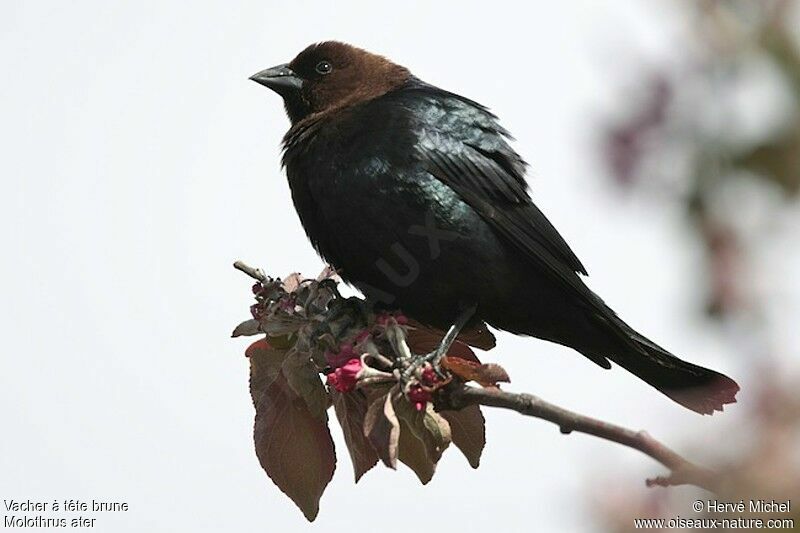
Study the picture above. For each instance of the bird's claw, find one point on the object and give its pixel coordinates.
(434, 358)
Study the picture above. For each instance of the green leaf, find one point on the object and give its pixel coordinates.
(247, 328)
(427, 425)
(413, 454)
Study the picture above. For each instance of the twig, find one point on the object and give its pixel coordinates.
(682, 471)
(255, 273)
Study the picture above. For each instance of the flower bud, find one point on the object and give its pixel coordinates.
(419, 397)
(344, 378)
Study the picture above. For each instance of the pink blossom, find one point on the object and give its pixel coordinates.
(344, 378)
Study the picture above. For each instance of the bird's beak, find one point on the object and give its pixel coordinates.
(280, 79)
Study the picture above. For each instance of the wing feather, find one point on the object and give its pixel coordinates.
(466, 149)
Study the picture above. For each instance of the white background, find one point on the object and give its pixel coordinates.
(139, 162)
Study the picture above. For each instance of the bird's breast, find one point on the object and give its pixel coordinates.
(373, 210)
(396, 232)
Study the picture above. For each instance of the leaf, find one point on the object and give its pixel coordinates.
(427, 425)
(260, 347)
(488, 375)
(305, 381)
(410, 450)
(351, 409)
(468, 429)
(437, 436)
(292, 282)
(247, 328)
(265, 363)
(283, 342)
(478, 337)
(412, 453)
(293, 446)
(424, 341)
(282, 324)
(382, 429)
(327, 273)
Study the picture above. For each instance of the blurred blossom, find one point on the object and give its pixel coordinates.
(730, 109)
(627, 141)
(766, 467)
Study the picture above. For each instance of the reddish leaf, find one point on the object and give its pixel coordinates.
(462, 351)
(382, 429)
(293, 446)
(468, 429)
(477, 336)
(488, 375)
(425, 340)
(265, 363)
(351, 409)
(259, 347)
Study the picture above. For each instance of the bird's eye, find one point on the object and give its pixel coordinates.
(324, 67)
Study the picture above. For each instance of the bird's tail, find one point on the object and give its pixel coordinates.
(700, 389)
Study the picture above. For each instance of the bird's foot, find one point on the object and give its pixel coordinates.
(418, 364)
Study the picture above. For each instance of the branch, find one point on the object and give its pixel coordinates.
(255, 273)
(300, 305)
(682, 471)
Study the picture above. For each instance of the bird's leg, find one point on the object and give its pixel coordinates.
(434, 358)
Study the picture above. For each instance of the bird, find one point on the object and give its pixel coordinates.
(415, 195)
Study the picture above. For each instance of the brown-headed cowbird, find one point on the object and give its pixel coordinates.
(414, 194)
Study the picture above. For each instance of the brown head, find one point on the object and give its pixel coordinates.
(331, 75)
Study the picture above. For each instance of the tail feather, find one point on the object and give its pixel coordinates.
(700, 389)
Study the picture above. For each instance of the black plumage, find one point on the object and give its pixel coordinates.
(416, 196)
